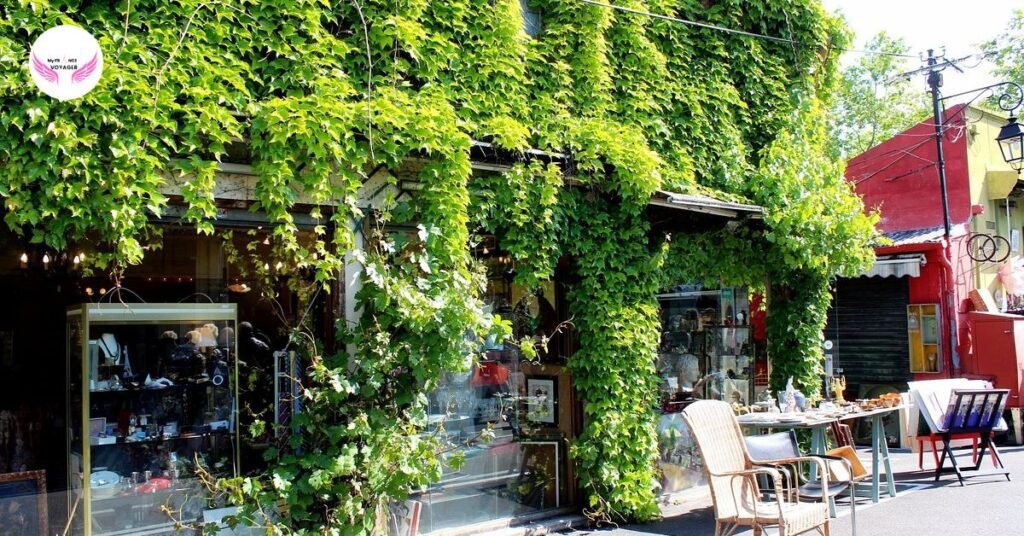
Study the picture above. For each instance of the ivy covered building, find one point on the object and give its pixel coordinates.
(452, 221)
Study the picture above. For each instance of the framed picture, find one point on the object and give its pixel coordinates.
(97, 427)
(23, 503)
(542, 399)
(404, 518)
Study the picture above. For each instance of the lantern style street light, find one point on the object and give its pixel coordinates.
(1011, 143)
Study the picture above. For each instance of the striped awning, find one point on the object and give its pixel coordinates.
(896, 266)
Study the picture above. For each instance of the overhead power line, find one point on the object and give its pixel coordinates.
(734, 31)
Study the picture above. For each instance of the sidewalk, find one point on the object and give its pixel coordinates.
(986, 505)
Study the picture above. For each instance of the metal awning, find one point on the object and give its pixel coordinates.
(706, 205)
(896, 266)
(673, 212)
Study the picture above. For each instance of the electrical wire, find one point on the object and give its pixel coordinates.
(734, 31)
(909, 173)
(894, 162)
(893, 151)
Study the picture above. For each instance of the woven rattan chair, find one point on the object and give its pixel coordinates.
(732, 478)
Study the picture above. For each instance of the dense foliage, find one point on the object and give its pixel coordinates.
(325, 92)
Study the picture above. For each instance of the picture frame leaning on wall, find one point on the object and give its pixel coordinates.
(23, 503)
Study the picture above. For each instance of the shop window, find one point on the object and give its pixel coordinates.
(525, 407)
(38, 411)
(707, 351)
(532, 23)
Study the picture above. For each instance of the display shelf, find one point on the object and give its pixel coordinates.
(923, 321)
(193, 346)
(706, 348)
(151, 530)
(154, 440)
(174, 389)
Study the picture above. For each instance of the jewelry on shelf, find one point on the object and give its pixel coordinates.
(111, 349)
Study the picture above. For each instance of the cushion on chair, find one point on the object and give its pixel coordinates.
(768, 447)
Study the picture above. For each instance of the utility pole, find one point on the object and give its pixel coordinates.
(1009, 101)
(935, 82)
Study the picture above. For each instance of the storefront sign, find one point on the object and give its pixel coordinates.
(66, 62)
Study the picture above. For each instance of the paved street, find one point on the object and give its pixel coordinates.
(987, 505)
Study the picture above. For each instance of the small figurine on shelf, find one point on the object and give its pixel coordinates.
(838, 385)
(787, 399)
(127, 373)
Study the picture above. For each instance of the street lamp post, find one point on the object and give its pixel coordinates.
(1011, 144)
(1011, 136)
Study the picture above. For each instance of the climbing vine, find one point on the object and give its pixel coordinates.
(331, 97)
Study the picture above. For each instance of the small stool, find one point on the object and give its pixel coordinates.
(932, 438)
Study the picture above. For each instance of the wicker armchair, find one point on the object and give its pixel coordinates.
(732, 479)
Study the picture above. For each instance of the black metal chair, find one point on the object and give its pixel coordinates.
(972, 411)
(776, 450)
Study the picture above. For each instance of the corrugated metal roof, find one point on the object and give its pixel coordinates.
(706, 204)
(915, 236)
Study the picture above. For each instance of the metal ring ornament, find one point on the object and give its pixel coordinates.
(1010, 100)
(983, 247)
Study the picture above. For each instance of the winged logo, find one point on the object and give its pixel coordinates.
(44, 70)
(85, 70)
(65, 62)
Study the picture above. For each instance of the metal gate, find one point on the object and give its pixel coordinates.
(867, 324)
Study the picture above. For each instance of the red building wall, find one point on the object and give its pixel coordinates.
(899, 177)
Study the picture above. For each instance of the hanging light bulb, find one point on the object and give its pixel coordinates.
(23, 258)
(76, 260)
(486, 251)
(266, 240)
(278, 266)
(46, 258)
(81, 256)
(266, 266)
(102, 291)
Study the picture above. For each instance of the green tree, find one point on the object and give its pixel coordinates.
(873, 102)
(1008, 51)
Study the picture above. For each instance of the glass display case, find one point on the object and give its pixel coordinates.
(152, 411)
(498, 419)
(706, 352)
(706, 348)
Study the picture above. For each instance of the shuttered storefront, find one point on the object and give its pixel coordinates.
(867, 325)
